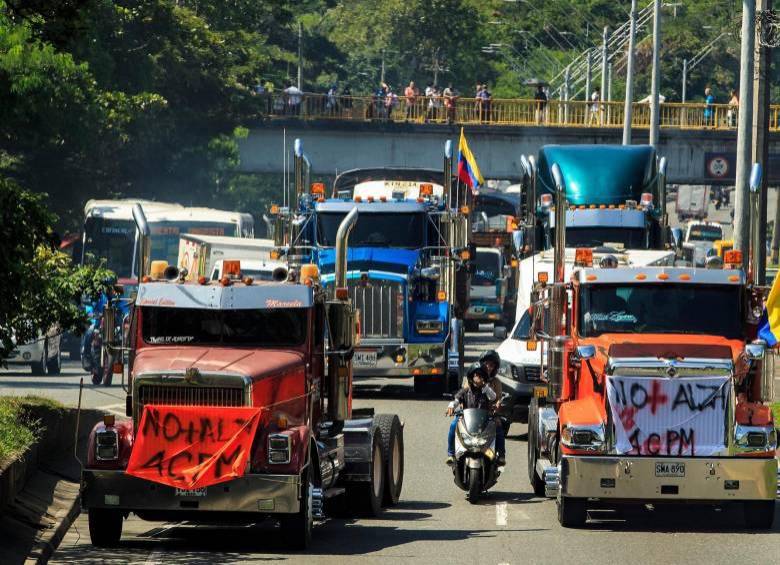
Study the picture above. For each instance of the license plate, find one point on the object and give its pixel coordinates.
(364, 359)
(663, 469)
(198, 492)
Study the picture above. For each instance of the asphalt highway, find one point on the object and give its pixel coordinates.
(433, 523)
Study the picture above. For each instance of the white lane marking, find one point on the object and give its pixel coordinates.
(502, 510)
(114, 409)
(522, 514)
(156, 557)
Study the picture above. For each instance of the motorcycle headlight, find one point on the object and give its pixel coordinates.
(587, 438)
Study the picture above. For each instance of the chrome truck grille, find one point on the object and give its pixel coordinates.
(173, 390)
(381, 307)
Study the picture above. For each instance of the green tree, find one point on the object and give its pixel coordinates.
(40, 287)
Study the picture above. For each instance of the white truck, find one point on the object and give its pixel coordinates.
(692, 202)
(199, 254)
(700, 238)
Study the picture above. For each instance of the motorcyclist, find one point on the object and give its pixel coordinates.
(490, 361)
(476, 395)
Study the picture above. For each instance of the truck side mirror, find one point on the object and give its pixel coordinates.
(756, 350)
(585, 352)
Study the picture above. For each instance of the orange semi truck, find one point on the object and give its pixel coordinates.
(240, 405)
(655, 388)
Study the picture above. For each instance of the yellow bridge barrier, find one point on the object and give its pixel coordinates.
(502, 112)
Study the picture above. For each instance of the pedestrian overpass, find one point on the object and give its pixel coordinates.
(700, 148)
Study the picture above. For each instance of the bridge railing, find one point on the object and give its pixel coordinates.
(502, 112)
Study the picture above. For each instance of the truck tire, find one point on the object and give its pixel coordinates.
(572, 512)
(39, 367)
(366, 498)
(54, 365)
(759, 514)
(432, 386)
(296, 528)
(105, 527)
(393, 451)
(475, 485)
(536, 482)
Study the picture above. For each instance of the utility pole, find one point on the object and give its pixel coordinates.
(588, 75)
(628, 108)
(604, 63)
(566, 78)
(744, 124)
(760, 149)
(609, 92)
(300, 56)
(654, 109)
(684, 79)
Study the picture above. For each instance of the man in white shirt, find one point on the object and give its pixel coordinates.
(294, 98)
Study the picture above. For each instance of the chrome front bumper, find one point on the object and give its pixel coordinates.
(634, 478)
(416, 359)
(268, 494)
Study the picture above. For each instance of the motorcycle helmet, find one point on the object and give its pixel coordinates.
(490, 355)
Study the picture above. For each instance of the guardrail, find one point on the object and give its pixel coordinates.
(501, 112)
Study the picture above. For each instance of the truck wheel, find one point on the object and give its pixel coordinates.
(366, 498)
(536, 482)
(430, 385)
(393, 452)
(475, 485)
(54, 366)
(105, 527)
(39, 367)
(296, 528)
(759, 514)
(572, 512)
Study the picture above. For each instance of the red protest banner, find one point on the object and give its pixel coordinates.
(190, 447)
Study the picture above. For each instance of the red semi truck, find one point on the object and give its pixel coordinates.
(240, 398)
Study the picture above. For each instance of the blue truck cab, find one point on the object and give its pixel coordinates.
(616, 196)
(403, 263)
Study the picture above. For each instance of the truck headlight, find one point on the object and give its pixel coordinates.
(429, 326)
(587, 438)
(751, 439)
(107, 445)
(279, 449)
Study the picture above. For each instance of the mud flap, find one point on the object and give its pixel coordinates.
(358, 439)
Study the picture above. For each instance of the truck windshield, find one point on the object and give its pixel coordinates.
(112, 241)
(375, 230)
(165, 236)
(522, 330)
(255, 328)
(705, 233)
(629, 238)
(661, 308)
(487, 269)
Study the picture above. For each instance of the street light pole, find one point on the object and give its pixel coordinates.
(300, 56)
(628, 108)
(604, 62)
(744, 124)
(588, 73)
(654, 98)
(684, 79)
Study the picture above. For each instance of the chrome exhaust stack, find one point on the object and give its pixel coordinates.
(559, 344)
(144, 241)
(342, 238)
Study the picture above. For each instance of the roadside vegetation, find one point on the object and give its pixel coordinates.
(776, 411)
(18, 430)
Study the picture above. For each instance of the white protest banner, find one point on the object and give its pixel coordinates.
(680, 416)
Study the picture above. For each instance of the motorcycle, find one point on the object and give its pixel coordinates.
(475, 468)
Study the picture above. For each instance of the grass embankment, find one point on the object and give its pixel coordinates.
(776, 411)
(18, 428)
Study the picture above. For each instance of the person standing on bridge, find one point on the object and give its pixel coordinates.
(541, 104)
(294, 98)
(595, 106)
(709, 107)
(733, 108)
(410, 95)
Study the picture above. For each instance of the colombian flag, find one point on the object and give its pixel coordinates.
(468, 171)
(769, 325)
